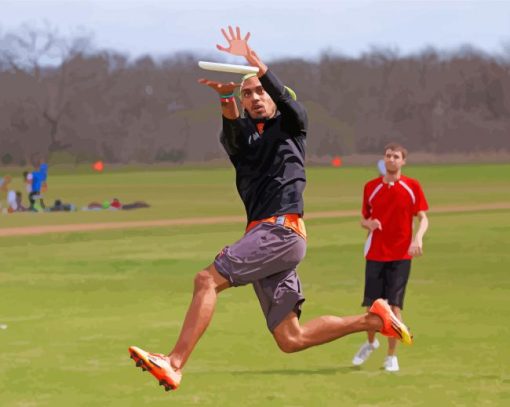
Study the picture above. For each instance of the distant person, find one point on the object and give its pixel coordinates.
(14, 202)
(39, 185)
(115, 204)
(267, 150)
(60, 206)
(4, 190)
(19, 202)
(390, 202)
(27, 181)
(135, 205)
(4, 183)
(97, 206)
(94, 206)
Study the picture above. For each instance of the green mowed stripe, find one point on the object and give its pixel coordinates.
(74, 302)
(185, 193)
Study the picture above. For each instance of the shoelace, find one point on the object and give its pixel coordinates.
(159, 360)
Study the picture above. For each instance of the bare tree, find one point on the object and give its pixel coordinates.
(42, 53)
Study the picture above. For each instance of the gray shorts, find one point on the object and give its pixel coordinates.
(267, 257)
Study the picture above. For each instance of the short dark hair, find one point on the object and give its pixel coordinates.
(396, 147)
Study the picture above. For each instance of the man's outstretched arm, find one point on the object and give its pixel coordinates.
(272, 85)
(230, 113)
(416, 248)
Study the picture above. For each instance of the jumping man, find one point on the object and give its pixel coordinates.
(267, 150)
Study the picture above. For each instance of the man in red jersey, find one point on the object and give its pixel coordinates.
(390, 203)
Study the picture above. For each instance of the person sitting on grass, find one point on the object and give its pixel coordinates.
(4, 184)
(14, 202)
(60, 206)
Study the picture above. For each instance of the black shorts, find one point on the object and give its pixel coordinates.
(386, 279)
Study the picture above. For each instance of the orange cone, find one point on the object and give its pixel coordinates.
(98, 166)
(336, 162)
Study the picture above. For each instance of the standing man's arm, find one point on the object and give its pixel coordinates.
(371, 224)
(367, 222)
(416, 248)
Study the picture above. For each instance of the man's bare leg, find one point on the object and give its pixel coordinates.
(371, 334)
(392, 342)
(208, 283)
(366, 348)
(293, 337)
(167, 369)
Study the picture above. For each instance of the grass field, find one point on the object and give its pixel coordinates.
(74, 302)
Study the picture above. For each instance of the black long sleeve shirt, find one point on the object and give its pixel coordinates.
(270, 171)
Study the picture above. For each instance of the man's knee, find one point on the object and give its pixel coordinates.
(288, 334)
(209, 278)
(288, 343)
(203, 279)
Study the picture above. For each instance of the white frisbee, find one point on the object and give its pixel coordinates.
(381, 167)
(219, 67)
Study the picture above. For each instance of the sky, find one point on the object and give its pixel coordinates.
(279, 28)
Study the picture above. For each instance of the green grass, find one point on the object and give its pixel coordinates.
(200, 192)
(74, 302)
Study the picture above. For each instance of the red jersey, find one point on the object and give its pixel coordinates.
(394, 205)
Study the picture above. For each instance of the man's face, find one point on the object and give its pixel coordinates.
(256, 100)
(393, 161)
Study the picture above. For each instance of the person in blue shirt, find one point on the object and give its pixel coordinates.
(39, 178)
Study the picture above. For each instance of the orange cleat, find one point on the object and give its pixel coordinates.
(158, 365)
(392, 326)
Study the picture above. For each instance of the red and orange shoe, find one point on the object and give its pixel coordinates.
(158, 365)
(392, 326)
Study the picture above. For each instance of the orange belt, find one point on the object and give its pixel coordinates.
(290, 220)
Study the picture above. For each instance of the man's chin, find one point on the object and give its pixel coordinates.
(258, 115)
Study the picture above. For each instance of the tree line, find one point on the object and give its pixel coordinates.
(62, 98)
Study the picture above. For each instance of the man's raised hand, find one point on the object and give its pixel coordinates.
(221, 88)
(236, 44)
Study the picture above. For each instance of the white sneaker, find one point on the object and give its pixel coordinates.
(391, 364)
(364, 352)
